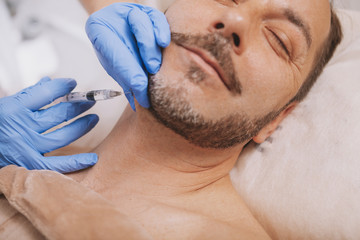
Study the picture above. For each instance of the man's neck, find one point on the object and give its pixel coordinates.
(168, 185)
(144, 157)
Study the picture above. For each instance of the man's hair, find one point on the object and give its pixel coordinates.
(323, 56)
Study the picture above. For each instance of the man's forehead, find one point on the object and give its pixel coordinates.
(315, 11)
(313, 17)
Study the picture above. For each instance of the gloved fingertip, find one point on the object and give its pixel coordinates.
(142, 98)
(132, 105)
(157, 69)
(130, 99)
(85, 160)
(93, 120)
(44, 79)
(82, 161)
(164, 40)
(87, 105)
(70, 82)
(163, 37)
(90, 159)
(145, 104)
(153, 65)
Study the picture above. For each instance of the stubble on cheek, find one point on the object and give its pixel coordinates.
(195, 74)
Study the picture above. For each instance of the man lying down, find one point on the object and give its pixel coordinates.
(233, 71)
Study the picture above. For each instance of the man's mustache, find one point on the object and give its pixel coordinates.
(219, 47)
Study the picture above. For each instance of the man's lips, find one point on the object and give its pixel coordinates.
(211, 62)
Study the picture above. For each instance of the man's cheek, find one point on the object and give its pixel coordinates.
(188, 16)
(176, 61)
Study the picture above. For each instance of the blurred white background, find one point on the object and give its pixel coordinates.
(348, 4)
(47, 38)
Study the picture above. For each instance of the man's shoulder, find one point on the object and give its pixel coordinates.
(166, 220)
(6, 210)
(227, 213)
(14, 225)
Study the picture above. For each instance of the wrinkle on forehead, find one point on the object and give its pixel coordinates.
(317, 13)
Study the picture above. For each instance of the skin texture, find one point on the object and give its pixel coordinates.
(176, 189)
(258, 58)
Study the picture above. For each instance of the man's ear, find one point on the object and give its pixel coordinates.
(266, 131)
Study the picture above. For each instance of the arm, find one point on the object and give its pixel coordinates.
(61, 208)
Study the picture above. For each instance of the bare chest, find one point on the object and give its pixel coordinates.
(166, 221)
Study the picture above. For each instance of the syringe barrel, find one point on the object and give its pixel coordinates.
(94, 95)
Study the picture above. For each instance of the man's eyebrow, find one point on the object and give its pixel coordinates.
(295, 19)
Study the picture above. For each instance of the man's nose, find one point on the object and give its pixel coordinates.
(233, 24)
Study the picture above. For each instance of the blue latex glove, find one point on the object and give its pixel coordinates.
(127, 36)
(22, 124)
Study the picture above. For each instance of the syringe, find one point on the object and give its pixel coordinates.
(94, 95)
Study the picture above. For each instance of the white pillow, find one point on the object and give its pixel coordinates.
(304, 181)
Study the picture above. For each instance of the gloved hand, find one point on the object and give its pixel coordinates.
(127, 36)
(22, 124)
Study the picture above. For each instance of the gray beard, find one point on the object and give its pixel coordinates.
(170, 107)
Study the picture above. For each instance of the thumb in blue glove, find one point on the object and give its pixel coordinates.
(22, 126)
(127, 37)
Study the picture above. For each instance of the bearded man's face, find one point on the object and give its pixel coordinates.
(232, 67)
